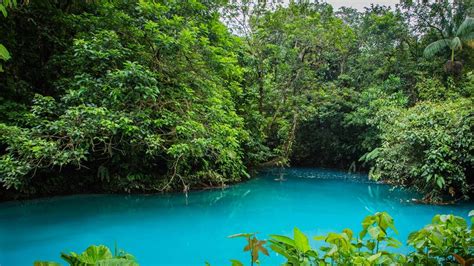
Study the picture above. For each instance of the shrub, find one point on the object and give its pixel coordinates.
(446, 240)
(428, 147)
(94, 255)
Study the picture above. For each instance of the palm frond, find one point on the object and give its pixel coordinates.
(435, 47)
(466, 27)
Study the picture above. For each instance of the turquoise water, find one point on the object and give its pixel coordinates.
(173, 230)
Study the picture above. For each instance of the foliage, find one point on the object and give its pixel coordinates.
(464, 33)
(164, 112)
(429, 147)
(447, 239)
(152, 96)
(297, 250)
(95, 255)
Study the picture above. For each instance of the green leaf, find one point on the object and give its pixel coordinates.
(283, 239)
(301, 241)
(236, 263)
(280, 250)
(466, 27)
(374, 257)
(3, 10)
(319, 238)
(4, 54)
(392, 242)
(456, 43)
(374, 232)
(435, 47)
(245, 235)
(440, 182)
(370, 245)
(333, 250)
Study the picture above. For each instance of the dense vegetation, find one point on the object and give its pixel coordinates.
(447, 240)
(94, 255)
(147, 96)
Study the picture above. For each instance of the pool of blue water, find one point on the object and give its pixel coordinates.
(175, 230)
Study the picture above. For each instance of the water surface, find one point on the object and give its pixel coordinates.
(175, 230)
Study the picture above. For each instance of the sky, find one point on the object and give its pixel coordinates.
(360, 4)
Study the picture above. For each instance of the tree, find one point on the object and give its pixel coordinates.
(463, 34)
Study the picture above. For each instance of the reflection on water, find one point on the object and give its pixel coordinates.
(172, 229)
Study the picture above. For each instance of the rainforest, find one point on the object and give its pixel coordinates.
(171, 98)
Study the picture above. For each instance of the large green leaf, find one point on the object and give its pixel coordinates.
(283, 239)
(301, 241)
(466, 27)
(435, 47)
(280, 250)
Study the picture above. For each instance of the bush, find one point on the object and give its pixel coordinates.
(428, 147)
(447, 240)
(154, 117)
(94, 255)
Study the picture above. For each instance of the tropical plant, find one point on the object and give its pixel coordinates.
(151, 96)
(126, 109)
(463, 34)
(447, 239)
(296, 250)
(95, 256)
(377, 226)
(427, 147)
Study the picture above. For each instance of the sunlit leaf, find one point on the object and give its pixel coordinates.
(301, 241)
